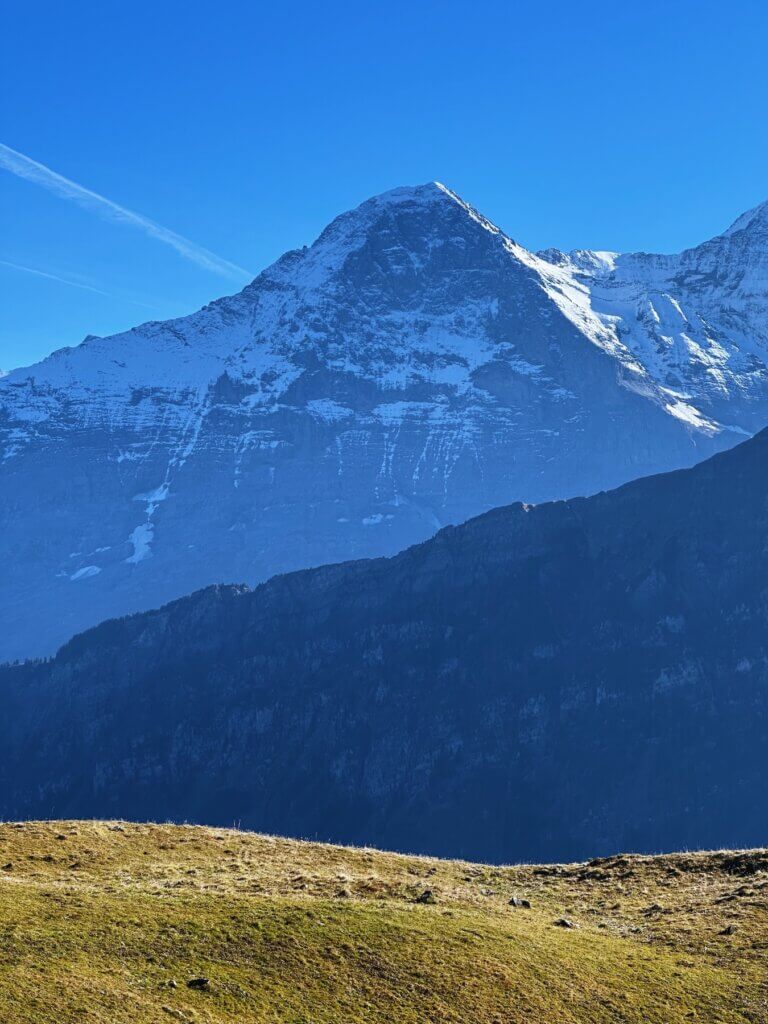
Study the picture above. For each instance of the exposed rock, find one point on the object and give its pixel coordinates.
(176, 1014)
(202, 983)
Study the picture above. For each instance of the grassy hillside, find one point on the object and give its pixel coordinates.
(109, 922)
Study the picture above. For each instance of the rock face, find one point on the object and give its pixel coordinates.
(539, 683)
(412, 368)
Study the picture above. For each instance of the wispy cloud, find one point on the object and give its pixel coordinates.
(24, 167)
(52, 277)
(68, 281)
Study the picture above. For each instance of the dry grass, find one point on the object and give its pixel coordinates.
(99, 919)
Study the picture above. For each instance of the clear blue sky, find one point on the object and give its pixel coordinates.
(245, 127)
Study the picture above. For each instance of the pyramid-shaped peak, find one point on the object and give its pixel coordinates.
(432, 199)
(430, 191)
(412, 198)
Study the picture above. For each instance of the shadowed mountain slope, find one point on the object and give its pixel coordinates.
(540, 682)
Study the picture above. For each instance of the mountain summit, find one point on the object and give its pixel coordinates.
(411, 368)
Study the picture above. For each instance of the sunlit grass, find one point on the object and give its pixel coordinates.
(109, 921)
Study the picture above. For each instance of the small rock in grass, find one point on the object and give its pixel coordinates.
(729, 930)
(201, 984)
(426, 897)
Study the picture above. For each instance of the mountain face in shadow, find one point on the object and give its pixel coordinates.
(539, 683)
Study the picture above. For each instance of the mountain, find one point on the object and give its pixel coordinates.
(697, 323)
(541, 682)
(412, 368)
(111, 921)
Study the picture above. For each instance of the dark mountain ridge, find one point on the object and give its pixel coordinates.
(542, 682)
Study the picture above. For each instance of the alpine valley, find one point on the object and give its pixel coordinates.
(412, 368)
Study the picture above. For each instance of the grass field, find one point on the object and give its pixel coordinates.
(109, 921)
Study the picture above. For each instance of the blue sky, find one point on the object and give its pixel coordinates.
(244, 128)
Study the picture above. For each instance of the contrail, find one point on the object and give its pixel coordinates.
(67, 281)
(53, 277)
(24, 167)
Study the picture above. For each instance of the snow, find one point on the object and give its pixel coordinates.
(85, 573)
(690, 415)
(153, 498)
(698, 320)
(141, 538)
(327, 410)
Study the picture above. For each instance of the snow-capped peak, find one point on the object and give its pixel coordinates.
(695, 323)
(757, 216)
(400, 253)
(426, 206)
